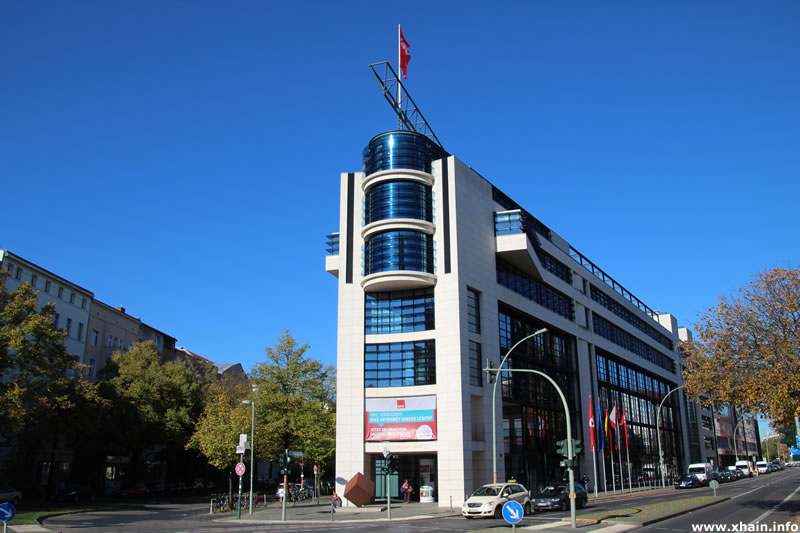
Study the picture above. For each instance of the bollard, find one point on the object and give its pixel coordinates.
(211, 507)
(451, 504)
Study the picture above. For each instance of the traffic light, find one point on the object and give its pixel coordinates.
(392, 464)
(561, 448)
(284, 460)
(490, 371)
(577, 446)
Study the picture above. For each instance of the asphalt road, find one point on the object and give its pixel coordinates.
(767, 499)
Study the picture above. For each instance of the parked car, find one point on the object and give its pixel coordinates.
(762, 467)
(281, 489)
(133, 491)
(9, 494)
(687, 481)
(488, 500)
(306, 487)
(557, 497)
(726, 476)
(774, 467)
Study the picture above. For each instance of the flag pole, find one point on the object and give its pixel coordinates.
(399, 70)
(602, 453)
(619, 455)
(628, 456)
(594, 450)
(611, 454)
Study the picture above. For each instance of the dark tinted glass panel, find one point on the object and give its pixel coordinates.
(398, 199)
(398, 250)
(401, 150)
(531, 288)
(400, 364)
(398, 311)
(622, 338)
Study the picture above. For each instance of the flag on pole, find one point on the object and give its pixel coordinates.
(609, 433)
(591, 424)
(624, 424)
(405, 55)
(601, 441)
(612, 417)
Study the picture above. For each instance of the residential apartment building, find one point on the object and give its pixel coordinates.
(111, 329)
(73, 303)
(439, 275)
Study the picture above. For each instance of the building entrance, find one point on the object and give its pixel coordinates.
(419, 470)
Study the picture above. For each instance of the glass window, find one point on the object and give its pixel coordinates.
(72, 298)
(95, 336)
(398, 250)
(34, 279)
(532, 289)
(69, 326)
(475, 372)
(61, 292)
(398, 199)
(473, 311)
(400, 364)
(83, 303)
(47, 286)
(80, 331)
(398, 311)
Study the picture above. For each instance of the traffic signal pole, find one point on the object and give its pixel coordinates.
(570, 448)
(285, 484)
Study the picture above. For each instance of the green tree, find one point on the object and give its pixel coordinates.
(747, 352)
(224, 418)
(295, 403)
(160, 399)
(45, 396)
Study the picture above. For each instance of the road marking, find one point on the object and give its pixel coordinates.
(766, 514)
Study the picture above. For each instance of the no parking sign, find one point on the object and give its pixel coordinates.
(240, 469)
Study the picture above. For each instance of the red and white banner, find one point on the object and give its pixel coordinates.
(398, 419)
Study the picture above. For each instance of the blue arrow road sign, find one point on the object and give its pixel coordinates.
(512, 512)
(7, 512)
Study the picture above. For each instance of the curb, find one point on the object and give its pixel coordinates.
(666, 517)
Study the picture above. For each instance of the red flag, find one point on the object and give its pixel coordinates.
(591, 423)
(624, 424)
(405, 55)
(612, 418)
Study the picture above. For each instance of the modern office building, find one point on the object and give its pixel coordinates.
(439, 275)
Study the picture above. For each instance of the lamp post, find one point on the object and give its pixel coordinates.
(494, 403)
(252, 405)
(735, 429)
(658, 434)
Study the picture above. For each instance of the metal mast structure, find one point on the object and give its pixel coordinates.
(408, 115)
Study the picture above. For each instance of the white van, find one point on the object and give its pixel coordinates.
(702, 471)
(746, 467)
(762, 467)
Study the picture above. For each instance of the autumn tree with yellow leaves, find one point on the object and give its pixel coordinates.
(747, 349)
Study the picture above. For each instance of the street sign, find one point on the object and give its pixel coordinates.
(240, 449)
(240, 469)
(7, 512)
(512, 512)
(315, 470)
(714, 484)
(295, 453)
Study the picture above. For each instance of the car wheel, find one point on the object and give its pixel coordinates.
(563, 506)
(498, 511)
(537, 510)
(527, 508)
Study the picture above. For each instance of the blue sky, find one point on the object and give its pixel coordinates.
(182, 158)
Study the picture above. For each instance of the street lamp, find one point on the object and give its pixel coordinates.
(735, 429)
(658, 434)
(494, 403)
(252, 405)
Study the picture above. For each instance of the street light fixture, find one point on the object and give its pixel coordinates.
(735, 429)
(252, 405)
(658, 434)
(494, 402)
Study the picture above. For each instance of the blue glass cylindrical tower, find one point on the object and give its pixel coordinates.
(399, 195)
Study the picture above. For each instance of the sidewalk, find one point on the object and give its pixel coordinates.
(313, 513)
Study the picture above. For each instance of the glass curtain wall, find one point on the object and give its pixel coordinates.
(533, 415)
(623, 385)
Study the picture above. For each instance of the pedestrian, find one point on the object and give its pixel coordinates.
(585, 481)
(404, 490)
